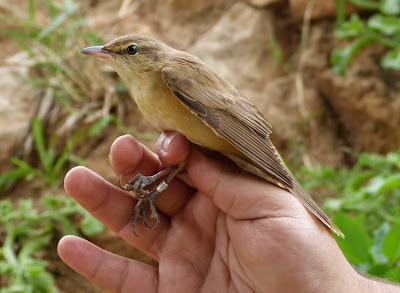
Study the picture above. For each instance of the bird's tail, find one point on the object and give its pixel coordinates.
(296, 190)
(313, 207)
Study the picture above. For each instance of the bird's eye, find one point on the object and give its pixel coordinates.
(132, 49)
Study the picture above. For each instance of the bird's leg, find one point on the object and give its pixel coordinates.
(147, 197)
(140, 182)
(139, 212)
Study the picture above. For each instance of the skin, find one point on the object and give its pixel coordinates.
(212, 238)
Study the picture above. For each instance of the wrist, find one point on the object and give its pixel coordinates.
(344, 278)
(370, 284)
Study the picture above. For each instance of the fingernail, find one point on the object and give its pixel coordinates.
(160, 141)
(166, 142)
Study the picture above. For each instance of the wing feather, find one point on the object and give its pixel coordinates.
(233, 117)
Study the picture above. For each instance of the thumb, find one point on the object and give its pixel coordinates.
(240, 195)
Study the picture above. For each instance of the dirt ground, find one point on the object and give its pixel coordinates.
(317, 116)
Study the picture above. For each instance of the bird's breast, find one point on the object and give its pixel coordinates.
(165, 112)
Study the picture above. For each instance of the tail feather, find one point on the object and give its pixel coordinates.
(314, 208)
(296, 190)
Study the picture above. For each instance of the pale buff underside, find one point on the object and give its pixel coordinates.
(166, 112)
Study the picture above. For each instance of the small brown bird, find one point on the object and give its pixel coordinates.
(177, 91)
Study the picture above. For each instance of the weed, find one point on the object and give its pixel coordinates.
(51, 164)
(28, 233)
(366, 209)
(382, 27)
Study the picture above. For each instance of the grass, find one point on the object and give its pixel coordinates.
(78, 100)
(52, 161)
(28, 233)
(72, 90)
(366, 207)
(381, 27)
(76, 103)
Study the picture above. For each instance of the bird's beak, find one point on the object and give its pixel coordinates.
(96, 51)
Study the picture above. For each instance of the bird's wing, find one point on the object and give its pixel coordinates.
(228, 114)
(233, 117)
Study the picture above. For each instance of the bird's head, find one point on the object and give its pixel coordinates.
(132, 55)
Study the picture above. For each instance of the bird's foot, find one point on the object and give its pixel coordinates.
(139, 184)
(140, 213)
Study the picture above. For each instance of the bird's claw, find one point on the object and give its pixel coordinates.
(140, 213)
(138, 184)
(147, 197)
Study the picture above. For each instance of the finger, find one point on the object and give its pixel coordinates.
(172, 148)
(114, 208)
(242, 196)
(128, 157)
(105, 269)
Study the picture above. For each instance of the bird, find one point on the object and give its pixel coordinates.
(177, 91)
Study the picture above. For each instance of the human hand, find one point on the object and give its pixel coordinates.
(220, 230)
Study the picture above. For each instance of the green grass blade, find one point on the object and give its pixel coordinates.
(340, 11)
(367, 4)
(38, 137)
(340, 58)
(69, 8)
(32, 10)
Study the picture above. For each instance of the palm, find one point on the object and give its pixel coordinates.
(219, 232)
(209, 250)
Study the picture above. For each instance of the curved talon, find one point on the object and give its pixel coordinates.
(155, 225)
(154, 215)
(146, 197)
(139, 212)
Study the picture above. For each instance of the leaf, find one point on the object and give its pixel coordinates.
(376, 251)
(41, 280)
(390, 7)
(351, 28)
(394, 158)
(90, 225)
(10, 176)
(393, 274)
(391, 244)
(380, 184)
(357, 244)
(375, 184)
(333, 204)
(100, 124)
(388, 25)
(340, 58)
(67, 226)
(60, 163)
(6, 208)
(31, 10)
(391, 60)
(340, 11)
(366, 4)
(38, 137)
(379, 270)
(31, 172)
(50, 7)
(69, 8)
